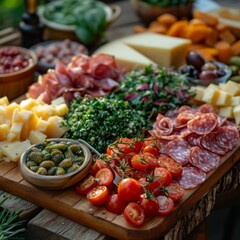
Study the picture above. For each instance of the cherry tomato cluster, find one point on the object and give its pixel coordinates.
(147, 186)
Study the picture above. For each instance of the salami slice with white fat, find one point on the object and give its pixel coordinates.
(179, 150)
(227, 136)
(203, 123)
(209, 142)
(194, 139)
(204, 159)
(164, 126)
(191, 177)
(182, 119)
(206, 108)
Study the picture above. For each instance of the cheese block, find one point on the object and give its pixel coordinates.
(125, 56)
(164, 50)
(235, 101)
(232, 88)
(224, 99)
(13, 151)
(36, 137)
(4, 130)
(211, 94)
(4, 101)
(226, 112)
(236, 113)
(55, 128)
(199, 92)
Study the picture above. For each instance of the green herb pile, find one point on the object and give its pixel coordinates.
(154, 89)
(88, 17)
(100, 121)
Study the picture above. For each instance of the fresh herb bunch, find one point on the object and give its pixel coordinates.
(88, 17)
(168, 3)
(154, 89)
(10, 226)
(100, 121)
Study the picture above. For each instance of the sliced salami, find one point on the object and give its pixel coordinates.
(203, 124)
(179, 150)
(204, 159)
(209, 142)
(182, 119)
(227, 136)
(206, 108)
(191, 177)
(164, 126)
(194, 139)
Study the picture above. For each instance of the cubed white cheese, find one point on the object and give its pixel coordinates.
(232, 88)
(226, 112)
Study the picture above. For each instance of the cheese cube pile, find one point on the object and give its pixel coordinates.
(225, 97)
(28, 122)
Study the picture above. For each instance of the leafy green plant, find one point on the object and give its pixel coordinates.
(10, 226)
(168, 3)
(88, 17)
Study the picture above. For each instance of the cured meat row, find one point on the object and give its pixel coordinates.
(196, 138)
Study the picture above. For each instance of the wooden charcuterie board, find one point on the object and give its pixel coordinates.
(71, 205)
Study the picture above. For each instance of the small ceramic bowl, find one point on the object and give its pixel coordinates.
(223, 79)
(56, 181)
(16, 83)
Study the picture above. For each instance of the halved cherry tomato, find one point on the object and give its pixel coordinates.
(166, 205)
(99, 164)
(139, 162)
(134, 214)
(86, 185)
(98, 195)
(151, 149)
(172, 166)
(129, 190)
(150, 205)
(163, 176)
(151, 160)
(174, 191)
(104, 177)
(115, 204)
(148, 184)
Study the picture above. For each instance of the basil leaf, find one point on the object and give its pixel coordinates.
(84, 34)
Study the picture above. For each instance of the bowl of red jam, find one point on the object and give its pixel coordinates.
(17, 70)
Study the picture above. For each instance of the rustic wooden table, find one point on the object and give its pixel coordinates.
(44, 224)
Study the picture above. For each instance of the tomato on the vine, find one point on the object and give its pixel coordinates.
(149, 184)
(166, 205)
(129, 190)
(163, 176)
(98, 195)
(151, 160)
(139, 162)
(149, 204)
(99, 164)
(172, 166)
(174, 191)
(104, 177)
(151, 149)
(134, 214)
(115, 204)
(86, 185)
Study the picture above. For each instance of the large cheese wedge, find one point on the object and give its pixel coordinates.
(164, 50)
(125, 56)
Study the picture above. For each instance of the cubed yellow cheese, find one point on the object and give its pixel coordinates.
(17, 116)
(232, 88)
(30, 121)
(61, 109)
(13, 151)
(236, 113)
(44, 111)
(15, 131)
(4, 130)
(226, 112)
(11, 137)
(28, 103)
(55, 128)
(164, 50)
(36, 137)
(211, 94)
(57, 101)
(235, 101)
(10, 109)
(124, 55)
(3, 116)
(224, 99)
(199, 91)
(42, 125)
(221, 86)
(4, 101)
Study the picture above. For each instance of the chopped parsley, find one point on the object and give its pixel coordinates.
(100, 121)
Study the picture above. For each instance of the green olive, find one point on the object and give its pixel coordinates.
(235, 70)
(31, 164)
(34, 168)
(57, 158)
(74, 148)
(47, 164)
(66, 163)
(47, 156)
(73, 168)
(60, 171)
(55, 152)
(42, 171)
(69, 154)
(52, 170)
(35, 157)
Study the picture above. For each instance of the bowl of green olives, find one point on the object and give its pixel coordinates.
(55, 163)
(198, 71)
